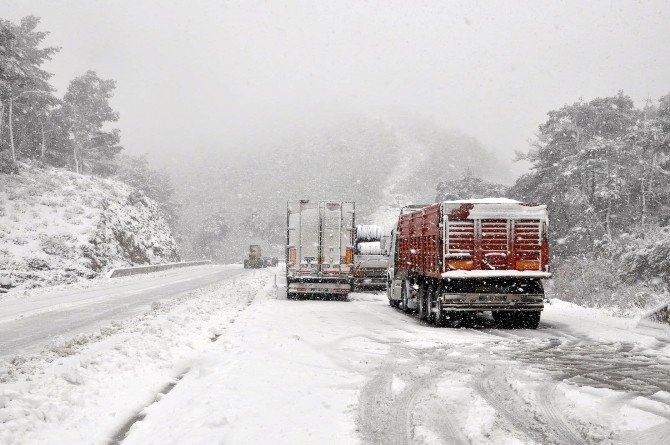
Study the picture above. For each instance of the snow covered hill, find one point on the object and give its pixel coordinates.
(57, 226)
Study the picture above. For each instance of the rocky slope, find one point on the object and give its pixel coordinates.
(57, 226)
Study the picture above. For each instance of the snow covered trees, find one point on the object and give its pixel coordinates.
(86, 109)
(210, 239)
(35, 124)
(156, 184)
(603, 167)
(468, 186)
(25, 94)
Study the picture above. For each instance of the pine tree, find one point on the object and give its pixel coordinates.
(26, 97)
(86, 112)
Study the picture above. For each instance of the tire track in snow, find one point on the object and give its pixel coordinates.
(389, 418)
(546, 398)
(510, 405)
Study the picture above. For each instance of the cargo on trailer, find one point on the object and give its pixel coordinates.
(370, 258)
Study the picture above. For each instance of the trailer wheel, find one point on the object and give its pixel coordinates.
(394, 303)
(517, 320)
(527, 320)
(423, 303)
(440, 318)
(431, 299)
(404, 293)
(503, 319)
(389, 293)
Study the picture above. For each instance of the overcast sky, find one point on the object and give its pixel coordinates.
(202, 73)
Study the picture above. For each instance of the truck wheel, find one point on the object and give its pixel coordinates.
(526, 320)
(404, 292)
(430, 304)
(503, 319)
(423, 303)
(440, 319)
(389, 294)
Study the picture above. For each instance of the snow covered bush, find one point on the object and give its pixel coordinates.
(645, 258)
(629, 275)
(6, 163)
(57, 226)
(598, 282)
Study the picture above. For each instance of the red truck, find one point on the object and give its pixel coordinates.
(456, 258)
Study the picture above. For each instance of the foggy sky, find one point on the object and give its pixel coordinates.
(195, 74)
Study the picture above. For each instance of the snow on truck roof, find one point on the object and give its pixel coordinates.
(483, 208)
(483, 201)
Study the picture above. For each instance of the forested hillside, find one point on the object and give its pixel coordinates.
(64, 215)
(603, 167)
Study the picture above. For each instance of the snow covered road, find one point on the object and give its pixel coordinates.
(28, 323)
(232, 363)
(295, 372)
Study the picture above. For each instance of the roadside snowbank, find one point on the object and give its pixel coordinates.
(57, 226)
(86, 388)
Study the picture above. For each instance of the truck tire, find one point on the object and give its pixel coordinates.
(389, 294)
(527, 319)
(404, 292)
(440, 318)
(430, 304)
(423, 303)
(503, 319)
(394, 303)
(517, 320)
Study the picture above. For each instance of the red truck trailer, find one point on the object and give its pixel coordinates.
(458, 257)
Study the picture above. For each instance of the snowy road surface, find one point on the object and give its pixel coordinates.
(29, 323)
(231, 363)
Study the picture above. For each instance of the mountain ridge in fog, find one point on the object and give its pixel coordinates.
(381, 163)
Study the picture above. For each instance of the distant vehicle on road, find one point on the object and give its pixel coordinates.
(254, 261)
(319, 248)
(270, 261)
(459, 257)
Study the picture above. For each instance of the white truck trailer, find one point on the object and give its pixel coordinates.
(319, 248)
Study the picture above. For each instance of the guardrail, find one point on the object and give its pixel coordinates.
(136, 270)
(660, 314)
